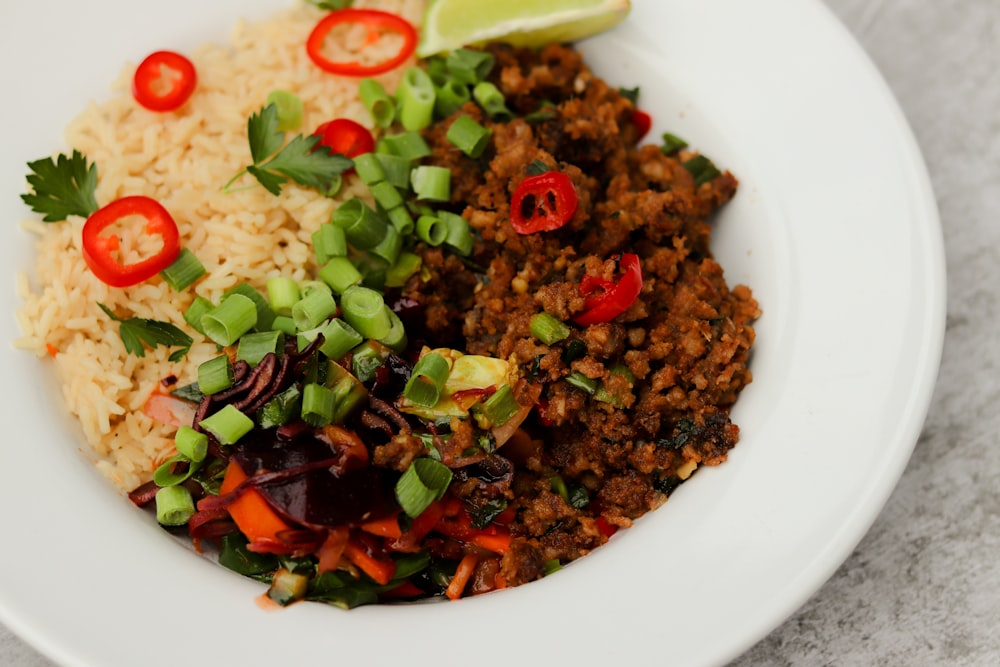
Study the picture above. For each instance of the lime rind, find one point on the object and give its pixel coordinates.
(567, 24)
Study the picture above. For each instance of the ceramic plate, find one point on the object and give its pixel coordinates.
(834, 227)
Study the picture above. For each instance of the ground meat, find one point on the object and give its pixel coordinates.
(665, 372)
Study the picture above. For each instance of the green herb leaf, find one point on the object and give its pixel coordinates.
(672, 143)
(62, 187)
(484, 515)
(331, 4)
(702, 169)
(631, 94)
(301, 160)
(137, 332)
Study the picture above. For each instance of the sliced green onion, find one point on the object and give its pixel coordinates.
(281, 409)
(317, 405)
(166, 475)
(491, 100)
(427, 380)
(253, 347)
(284, 324)
(215, 375)
(369, 168)
(501, 406)
(289, 108)
(363, 308)
(372, 268)
(227, 425)
(406, 265)
(265, 316)
(437, 69)
(378, 102)
(386, 195)
(468, 136)
(548, 329)
(702, 169)
(364, 228)
(174, 506)
(366, 358)
(307, 287)
(407, 145)
(672, 143)
(348, 393)
(282, 294)
(551, 566)
(450, 97)
(184, 271)
(581, 381)
(340, 274)
(469, 65)
(329, 241)
(193, 314)
(401, 220)
(396, 338)
(416, 99)
(390, 247)
(424, 482)
(431, 182)
(459, 234)
(313, 309)
(339, 338)
(615, 398)
(396, 169)
(431, 230)
(232, 318)
(191, 443)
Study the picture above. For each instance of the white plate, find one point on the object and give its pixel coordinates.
(834, 227)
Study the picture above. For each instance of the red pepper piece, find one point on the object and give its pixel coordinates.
(543, 202)
(345, 137)
(164, 81)
(643, 122)
(378, 23)
(99, 251)
(614, 298)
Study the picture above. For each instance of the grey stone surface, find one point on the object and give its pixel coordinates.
(923, 587)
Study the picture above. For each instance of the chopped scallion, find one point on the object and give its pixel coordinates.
(285, 325)
(191, 443)
(396, 338)
(228, 425)
(427, 380)
(401, 220)
(378, 102)
(672, 143)
(396, 169)
(329, 241)
(281, 409)
(491, 100)
(317, 405)
(255, 346)
(431, 230)
(184, 271)
(469, 66)
(581, 381)
(468, 136)
(193, 314)
(369, 168)
(174, 506)
(339, 338)
(313, 309)
(265, 316)
(501, 406)
(282, 294)
(416, 99)
(339, 273)
(174, 471)
(406, 265)
(450, 97)
(548, 329)
(386, 195)
(363, 308)
(431, 182)
(390, 247)
(215, 375)
(407, 145)
(459, 234)
(364, 228)
(424, 482)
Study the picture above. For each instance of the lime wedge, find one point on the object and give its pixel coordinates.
(450, 24)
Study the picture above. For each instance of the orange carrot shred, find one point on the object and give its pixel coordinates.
(462, 575)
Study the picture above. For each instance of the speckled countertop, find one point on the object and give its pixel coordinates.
(923, 587)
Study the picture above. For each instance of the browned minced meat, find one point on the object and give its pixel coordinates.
(686, 340)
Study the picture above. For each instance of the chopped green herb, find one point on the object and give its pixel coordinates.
(702, 169)
(138, 332)
(672, 143)
(484, 516)
(537, 167)
(631, 94)
(62, 187)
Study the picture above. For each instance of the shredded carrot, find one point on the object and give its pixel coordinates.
(462, 575)
(499, 543)
(252, 514)
(387, 527)
(381, 571)
(52, 350)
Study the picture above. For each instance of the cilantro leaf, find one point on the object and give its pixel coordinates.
(262, 131)
(138, 332)
(62, 187)
(301, 160)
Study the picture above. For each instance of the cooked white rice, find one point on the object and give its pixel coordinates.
(182, 159)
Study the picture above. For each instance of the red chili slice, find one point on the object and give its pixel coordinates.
(614, 297)
(346, 137)
(378, 23)
(99, 251)
(642, 121)
(164, 81)
(543, 202)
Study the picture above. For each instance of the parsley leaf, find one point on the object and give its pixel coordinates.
(138, 332)
(62, 187)
(300, 160)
